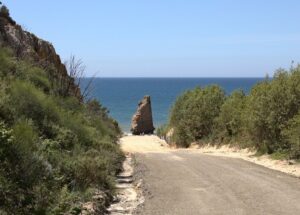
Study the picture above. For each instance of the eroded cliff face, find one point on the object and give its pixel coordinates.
(27, 45)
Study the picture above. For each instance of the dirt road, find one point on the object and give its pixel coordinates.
(188, 182)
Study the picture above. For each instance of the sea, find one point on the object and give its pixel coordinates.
(122, 95)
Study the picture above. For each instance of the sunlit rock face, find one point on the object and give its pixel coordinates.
(28, 46)
(142, 122)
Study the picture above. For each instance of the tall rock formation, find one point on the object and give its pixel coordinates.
(142, 122)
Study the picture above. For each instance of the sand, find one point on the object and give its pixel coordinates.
(152, 143)
(143, 144)
(289, 167)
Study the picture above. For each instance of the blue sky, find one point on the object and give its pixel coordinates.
(168, 38)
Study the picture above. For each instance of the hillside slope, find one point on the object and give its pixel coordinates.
(26, 45)
(57, 153)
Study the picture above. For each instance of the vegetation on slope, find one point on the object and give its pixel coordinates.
(267, 119)
(56, 151)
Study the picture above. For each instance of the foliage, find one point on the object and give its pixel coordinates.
(194, 113)
(50, 144)
(229, 123)
(6, 63)
(292, 135)
(270, 105)
(161, 131)
(267, 118)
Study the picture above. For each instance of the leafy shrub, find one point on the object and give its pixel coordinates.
(6, 139)
(34, 75)
(68, 203)
(161, 131)
(292, 136)
(6, 62)
(270, 106)
(194, 114)
(266, 119)
(23, 172)
(229, 123)
(66, 139)
(51, 144)
(96, 109)
(28, 101)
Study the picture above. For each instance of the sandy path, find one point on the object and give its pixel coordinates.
(192, 181)
(143, 144)
(151, 143)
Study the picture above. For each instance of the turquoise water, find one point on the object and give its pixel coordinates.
(121, 95)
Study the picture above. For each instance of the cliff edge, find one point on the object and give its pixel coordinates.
(26, 45)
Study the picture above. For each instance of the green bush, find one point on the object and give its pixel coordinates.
(29, 102)
(270, 106)
(51, 144)
(68, 202)
(6, 62)
(23, 172)
(161, 131)
(292, 136)
(34, 75)
(229, 123)
(66, 139)
(194, 114)
(266, 119)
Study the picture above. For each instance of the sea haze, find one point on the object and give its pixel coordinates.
(121, 95)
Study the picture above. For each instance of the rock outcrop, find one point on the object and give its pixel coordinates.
(27, 45)
(142, 122)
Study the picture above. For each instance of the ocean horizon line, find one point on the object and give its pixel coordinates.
(179, 77)
(121, 95)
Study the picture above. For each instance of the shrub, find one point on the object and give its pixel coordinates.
(85, 167)
(194, 114)
(270, 106)
(229, 123)
(292, 136)
(22, 172)
(95, 109)
(6, 62)
(66, 139)
(27, 101)
(267, 118)
(51, 144)
(6, 139)
(36, 76)
(68, 203)
(161, 131)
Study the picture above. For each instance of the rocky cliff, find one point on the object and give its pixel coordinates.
(27, 45)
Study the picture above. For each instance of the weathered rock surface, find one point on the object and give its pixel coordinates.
(27, 45)
(142, 122)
